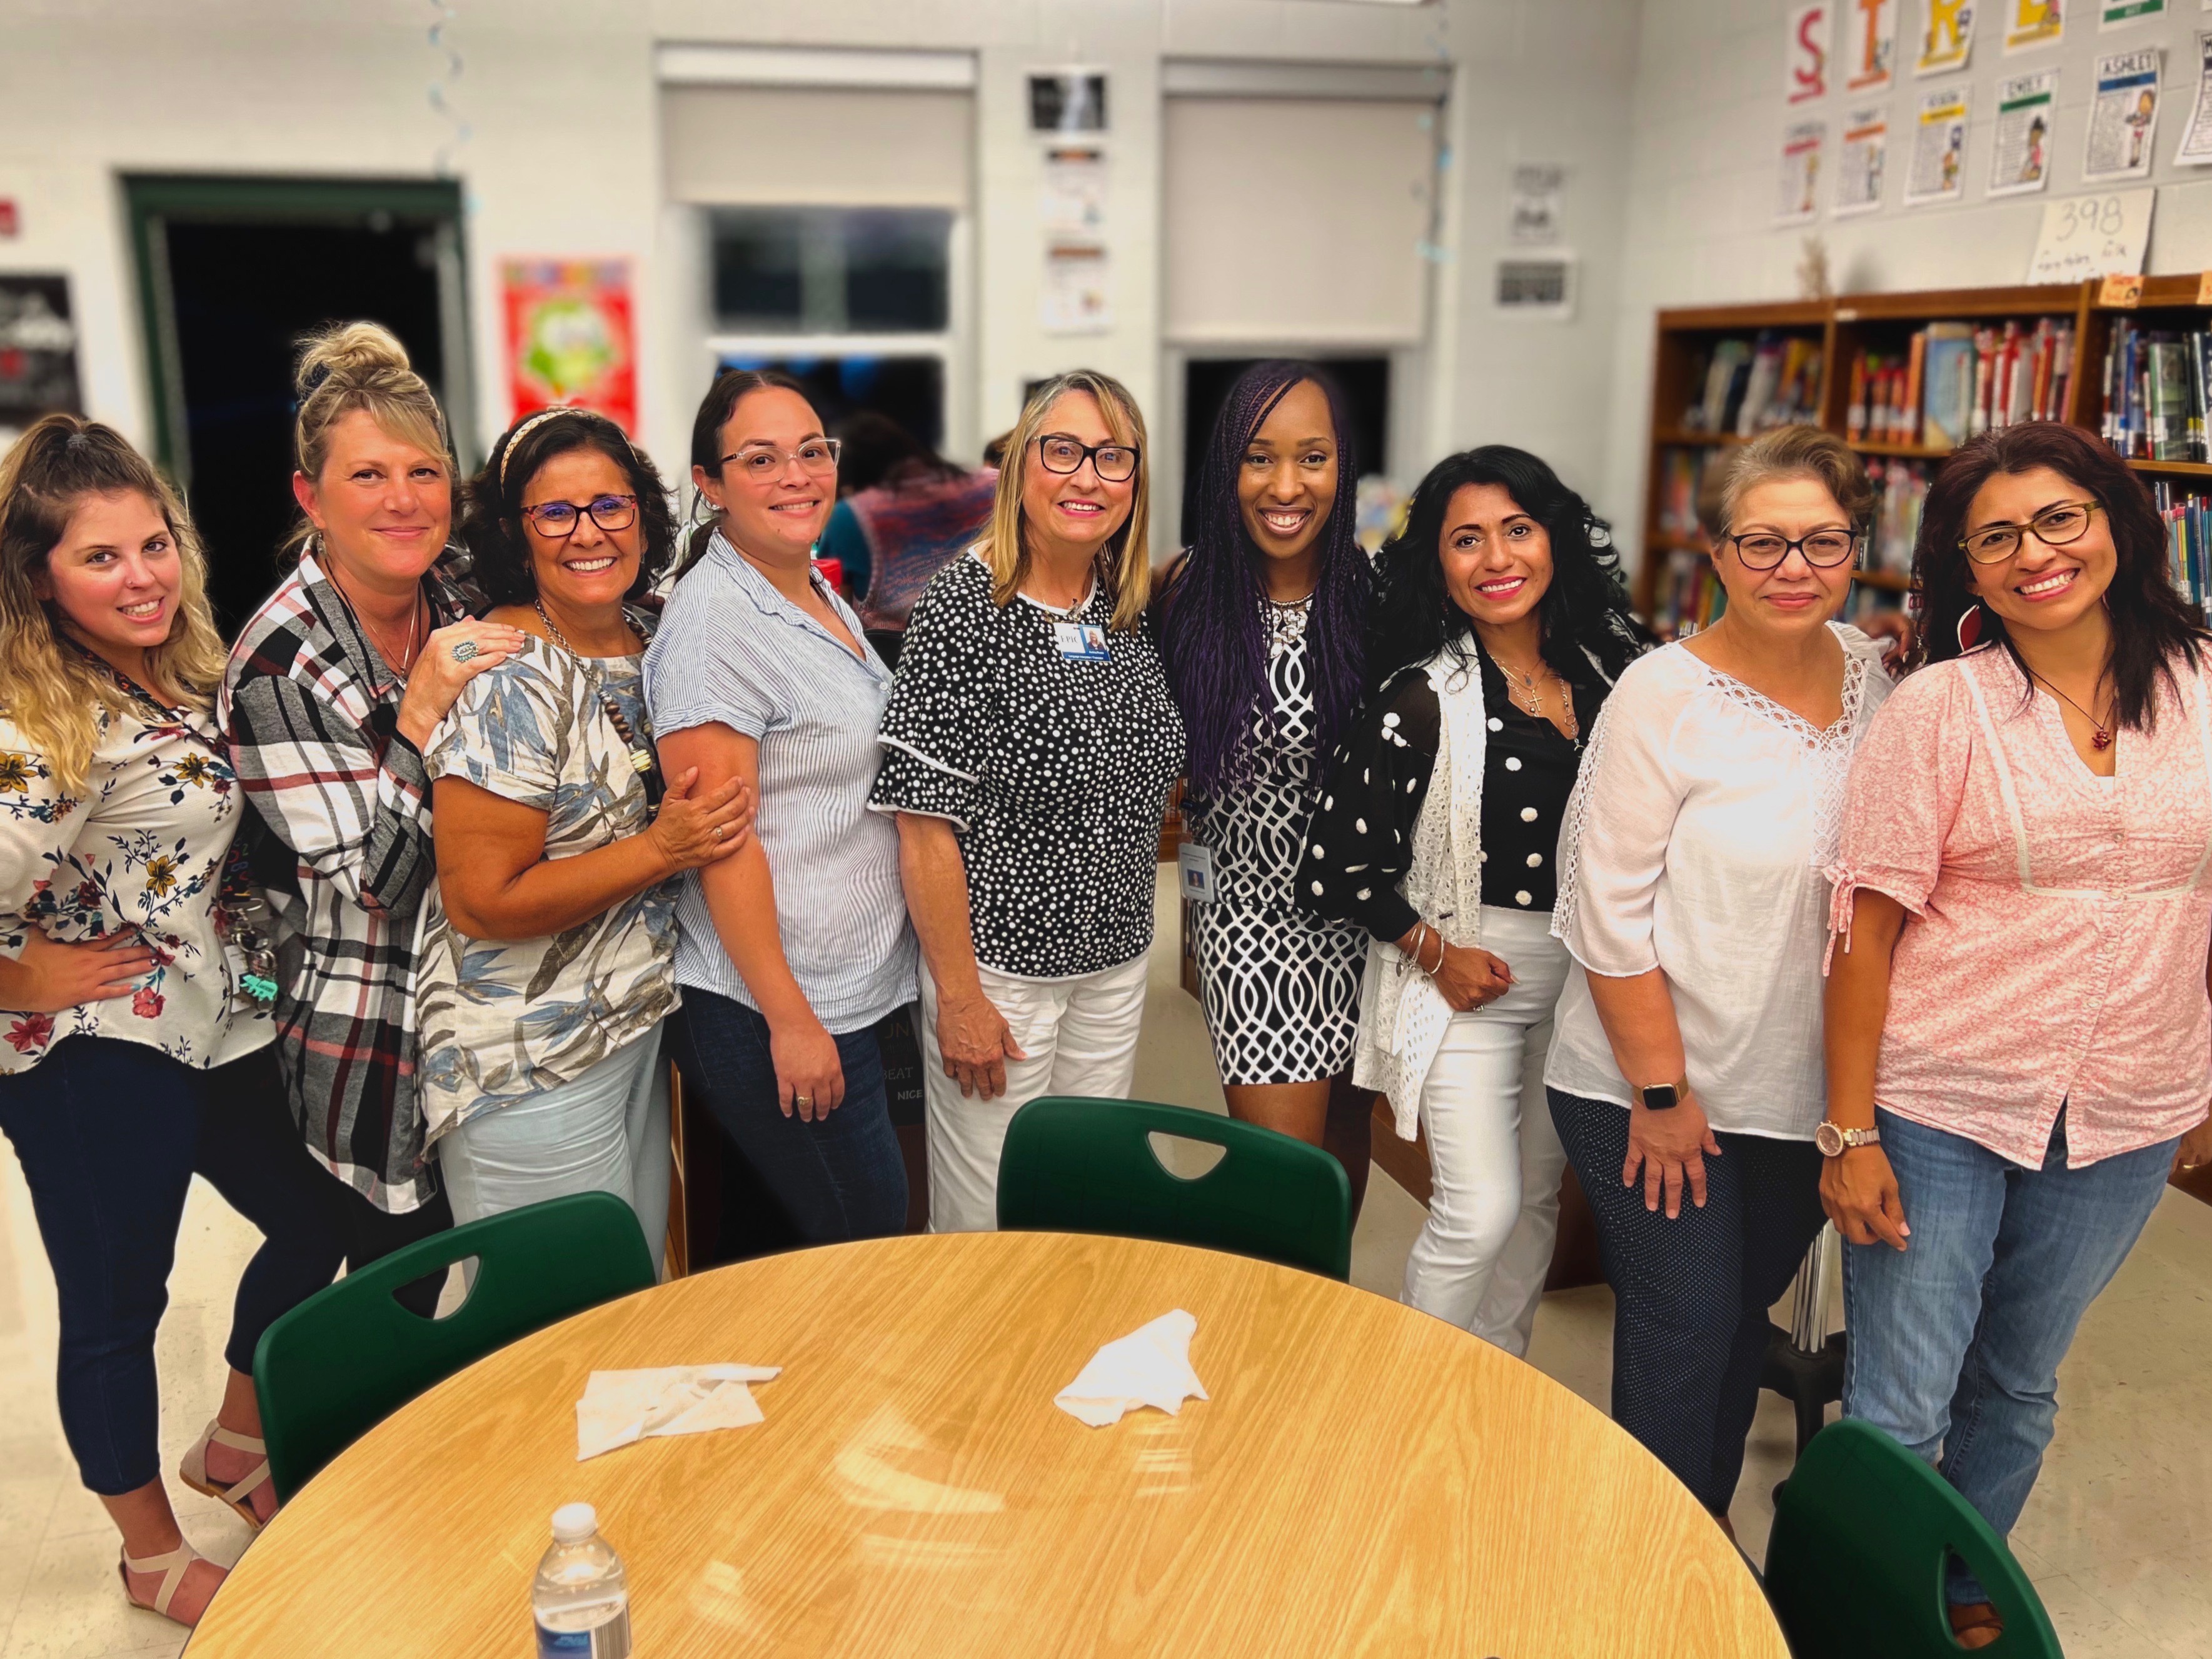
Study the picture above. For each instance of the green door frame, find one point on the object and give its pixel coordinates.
(153, 199)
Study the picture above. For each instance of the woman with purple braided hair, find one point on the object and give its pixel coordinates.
(1260, 634)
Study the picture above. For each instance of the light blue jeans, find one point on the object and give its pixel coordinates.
(1955, 1341)
(603, 1131)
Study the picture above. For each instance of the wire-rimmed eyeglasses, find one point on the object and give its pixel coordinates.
(2060, 523)
(557, 520)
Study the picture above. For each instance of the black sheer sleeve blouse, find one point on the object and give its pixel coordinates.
(1361, 842)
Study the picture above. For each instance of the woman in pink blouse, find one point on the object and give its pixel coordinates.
(2018, 1034)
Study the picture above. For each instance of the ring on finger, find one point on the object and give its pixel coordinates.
(465, 650)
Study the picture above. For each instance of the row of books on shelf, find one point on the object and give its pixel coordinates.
(1955, 379)
(1681, 472)
(2155, 385)
(1747, 386)
(1688, 597)
(2188, 515)
(1900, 494)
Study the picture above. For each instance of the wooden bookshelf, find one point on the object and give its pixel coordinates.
(1853, 323)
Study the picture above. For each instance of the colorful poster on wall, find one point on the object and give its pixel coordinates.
(1078, 294)
(2033, 22)
(1861, 161)
(2123, 116)
(570, 338)
(1938, 173)
(2116, 14)
(38, 352)
(1869, 45)
(1797, 200)
(2195, 148)
(1074, 200)
(1947, 37)
(2027, 110)
(1808, 74)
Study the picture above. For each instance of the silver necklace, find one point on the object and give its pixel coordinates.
(415, 638)
(1286, 620)
(641, 758)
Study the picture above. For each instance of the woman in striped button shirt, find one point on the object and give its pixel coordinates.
(792, 950)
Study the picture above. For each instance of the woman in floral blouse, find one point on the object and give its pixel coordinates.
(2019, 1036)
(136, 1049)
(549, 955)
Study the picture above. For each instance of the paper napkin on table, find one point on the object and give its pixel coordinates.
(1150, 1366)
(621, 1407)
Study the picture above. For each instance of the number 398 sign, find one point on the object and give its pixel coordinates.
(2089, 236)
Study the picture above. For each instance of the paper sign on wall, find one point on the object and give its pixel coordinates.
(1078, 296)
(1938, 173)
(2089, 236)
(2027, 107)
(1869, 45)
(2195, 148)
(569, 337)
(1947, 37)
(1074, 202)
(2033, 23)
(2113, 14)
(1534, 219)
(1860, 161)
(1797, 200)
(2123, 116)
(1808, 74)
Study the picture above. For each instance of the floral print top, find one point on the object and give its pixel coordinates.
(139, 850)
(501, 1021)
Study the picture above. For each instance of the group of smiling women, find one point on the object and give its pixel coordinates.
(1743, 931)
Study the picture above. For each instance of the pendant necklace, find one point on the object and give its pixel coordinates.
(641, 758)
(1532, 689)
(2100, 732)
(404, 660)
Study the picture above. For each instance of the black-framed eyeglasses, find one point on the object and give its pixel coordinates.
(760, 462)
(557, 520)
(1113, 463)
(1763, 550)
(2055, 526)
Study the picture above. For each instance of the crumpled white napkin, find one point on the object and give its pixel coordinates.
(621, 1407)
(1150, 1366)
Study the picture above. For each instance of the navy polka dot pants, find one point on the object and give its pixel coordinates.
(1691, 1295)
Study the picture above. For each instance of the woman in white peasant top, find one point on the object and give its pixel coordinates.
(1687, 1060)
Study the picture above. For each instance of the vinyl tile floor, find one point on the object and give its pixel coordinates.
(2117, 1536)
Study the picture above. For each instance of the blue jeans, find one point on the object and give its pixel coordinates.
(1955, 1341)
(110, 1133)
(839, 1177)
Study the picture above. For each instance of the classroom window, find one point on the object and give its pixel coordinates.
(831, 270)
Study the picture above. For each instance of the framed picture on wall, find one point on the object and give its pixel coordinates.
(1068, 100)
(38, 352)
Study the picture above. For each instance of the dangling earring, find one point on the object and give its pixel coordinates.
(1970, 627)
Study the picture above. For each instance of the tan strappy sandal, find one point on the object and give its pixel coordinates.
(173, 1567)
(193, 1471)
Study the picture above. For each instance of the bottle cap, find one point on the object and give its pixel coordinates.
(575, 1523)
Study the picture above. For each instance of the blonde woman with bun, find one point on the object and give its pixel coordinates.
(135, 1050)
(333, 690)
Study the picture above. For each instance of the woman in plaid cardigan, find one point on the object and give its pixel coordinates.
(332, 689)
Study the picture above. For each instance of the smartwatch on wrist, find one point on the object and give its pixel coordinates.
(1663, 1096)
(1834, 1141)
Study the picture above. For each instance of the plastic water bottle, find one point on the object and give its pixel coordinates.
(580, 1599)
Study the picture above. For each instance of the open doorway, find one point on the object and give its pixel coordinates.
(232, 272)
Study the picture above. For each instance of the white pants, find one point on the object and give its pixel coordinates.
(1080, 1036)
(603, 1131)
(1495, 1160)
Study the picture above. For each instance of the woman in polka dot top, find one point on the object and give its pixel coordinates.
(1029, 746)
(1501, 611)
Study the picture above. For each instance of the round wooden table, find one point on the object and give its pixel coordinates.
(1365, 1480)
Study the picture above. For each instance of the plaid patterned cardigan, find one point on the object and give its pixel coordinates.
(311, 712)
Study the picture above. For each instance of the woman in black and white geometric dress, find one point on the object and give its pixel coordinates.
(1261, 632)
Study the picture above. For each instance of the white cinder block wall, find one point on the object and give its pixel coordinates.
(564, 160)
(1702, 176)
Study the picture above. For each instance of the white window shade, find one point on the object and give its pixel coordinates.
(1296, 219)
(816, 146)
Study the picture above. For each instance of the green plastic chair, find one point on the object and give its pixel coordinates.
(1855, 1566)
(349, 1356)
(1073, 1165)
